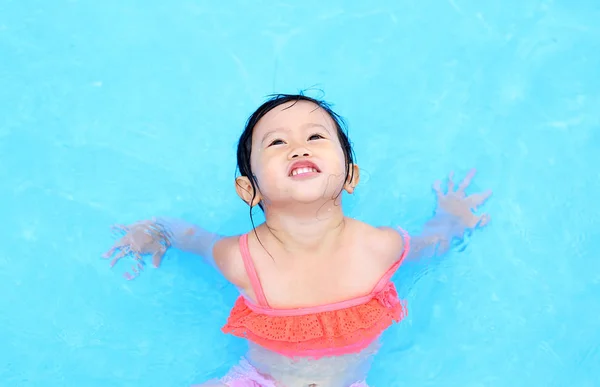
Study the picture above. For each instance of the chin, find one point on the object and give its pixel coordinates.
(307, 198)
(319, 196)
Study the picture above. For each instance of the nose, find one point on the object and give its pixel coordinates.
(299, 152)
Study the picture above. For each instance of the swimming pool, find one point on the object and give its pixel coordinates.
(119, 110)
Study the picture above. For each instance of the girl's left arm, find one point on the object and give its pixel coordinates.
(453, 217)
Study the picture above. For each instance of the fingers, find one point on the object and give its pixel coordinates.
(451, 181)
(121, 254)
(116, 228)
(117, 246)
(483, 220)
(157, 257)
(476, 200)
(478, 221)
(461, 187)
(137, 270)
(110, 252)
(467, 180)
(119, 228)
(437, 188)
(138, 257)
(129, 277)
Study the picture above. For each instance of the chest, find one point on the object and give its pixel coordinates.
(317, 280)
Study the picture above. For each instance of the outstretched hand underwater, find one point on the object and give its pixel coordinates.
(456, 203)
(454, 216)
(141, 238)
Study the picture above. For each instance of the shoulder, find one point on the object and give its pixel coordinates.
(387, 243)
(228, 260)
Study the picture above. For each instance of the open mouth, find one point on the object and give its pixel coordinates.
(303, 170)
(300, 168)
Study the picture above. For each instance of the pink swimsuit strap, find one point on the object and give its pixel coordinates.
(252, 274)
(262, 305)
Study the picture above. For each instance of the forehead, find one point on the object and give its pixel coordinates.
(293, 115)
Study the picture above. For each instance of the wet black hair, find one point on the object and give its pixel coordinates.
(244, 148)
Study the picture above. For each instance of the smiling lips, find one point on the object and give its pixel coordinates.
(303, 168)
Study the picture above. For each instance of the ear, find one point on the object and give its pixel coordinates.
(244, 189)
(353, 178)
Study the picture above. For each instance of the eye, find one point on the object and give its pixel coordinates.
(315, 136)
(276, 142)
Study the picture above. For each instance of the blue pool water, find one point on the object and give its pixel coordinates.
(115, 111)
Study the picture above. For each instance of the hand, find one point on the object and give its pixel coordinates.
(141, 238)
(459, 205)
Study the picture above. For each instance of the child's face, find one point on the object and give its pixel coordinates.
(293, 133)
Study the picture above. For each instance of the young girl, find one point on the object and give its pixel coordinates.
(315, 285)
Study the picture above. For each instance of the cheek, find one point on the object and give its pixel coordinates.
(341, 161)
(265, 172)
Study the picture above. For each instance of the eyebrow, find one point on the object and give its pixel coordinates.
(305, 126)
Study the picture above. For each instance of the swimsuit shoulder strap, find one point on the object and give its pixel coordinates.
(251, 271)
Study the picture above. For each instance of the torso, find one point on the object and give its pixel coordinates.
(365, 254)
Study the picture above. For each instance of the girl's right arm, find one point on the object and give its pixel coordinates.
(154, 237)
(189, 237)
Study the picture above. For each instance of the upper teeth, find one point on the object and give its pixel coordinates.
(298, 171)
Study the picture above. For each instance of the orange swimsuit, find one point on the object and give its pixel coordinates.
(327, 330)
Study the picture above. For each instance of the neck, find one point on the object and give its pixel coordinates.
(306, 229)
